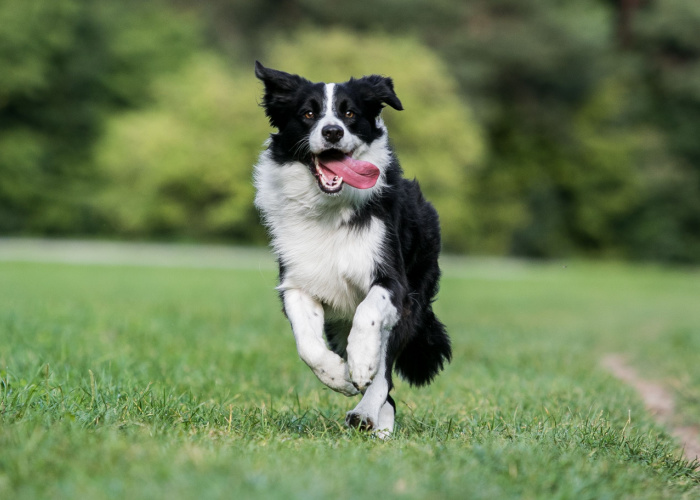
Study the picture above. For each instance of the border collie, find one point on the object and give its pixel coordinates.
(357, 244)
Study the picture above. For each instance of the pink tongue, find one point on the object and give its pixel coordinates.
(357, 173)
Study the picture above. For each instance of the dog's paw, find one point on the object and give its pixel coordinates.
(359, 421)
(346, 388)
(334, 374)
(363, 356)
(362, 371)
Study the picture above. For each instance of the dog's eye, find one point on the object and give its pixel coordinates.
(349, 114)
(309, 115)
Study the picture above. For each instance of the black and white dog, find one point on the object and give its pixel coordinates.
(357, 244)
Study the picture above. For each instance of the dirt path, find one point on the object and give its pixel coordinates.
(658, 400)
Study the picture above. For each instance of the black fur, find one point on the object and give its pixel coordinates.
(418, 346)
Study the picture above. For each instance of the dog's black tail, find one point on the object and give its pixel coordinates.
(426, 353)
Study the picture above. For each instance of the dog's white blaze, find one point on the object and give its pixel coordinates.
(317, 142)
(330, 101)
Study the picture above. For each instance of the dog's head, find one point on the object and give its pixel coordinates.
(328, 127)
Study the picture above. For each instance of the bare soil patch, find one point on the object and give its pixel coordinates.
(658, 400)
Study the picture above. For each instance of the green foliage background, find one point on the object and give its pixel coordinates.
(538, 128)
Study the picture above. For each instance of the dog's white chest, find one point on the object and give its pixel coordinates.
(333, 263)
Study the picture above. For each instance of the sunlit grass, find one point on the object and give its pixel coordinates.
(163, 382)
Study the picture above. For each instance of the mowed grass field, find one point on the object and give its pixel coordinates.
(173, 382)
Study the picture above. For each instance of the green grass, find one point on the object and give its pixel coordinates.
(144, 382)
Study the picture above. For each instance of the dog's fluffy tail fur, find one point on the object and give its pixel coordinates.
(426, 353)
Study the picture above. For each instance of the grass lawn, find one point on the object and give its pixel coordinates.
(172, 382)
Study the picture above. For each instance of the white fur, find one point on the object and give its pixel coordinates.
(373, 321)
(333, 262)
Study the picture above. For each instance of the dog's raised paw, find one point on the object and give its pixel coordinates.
(334, 373)
(362, 377)
(359, 421)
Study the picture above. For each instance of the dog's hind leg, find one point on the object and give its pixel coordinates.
(385, 426)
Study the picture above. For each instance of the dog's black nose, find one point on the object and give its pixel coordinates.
(332, 133)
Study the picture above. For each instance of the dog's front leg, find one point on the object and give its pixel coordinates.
(376, 410)
(306, 316)
(373, 321)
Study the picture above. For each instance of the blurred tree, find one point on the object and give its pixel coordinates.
(558, 179)
(184, 163)
(64, 65)
(667, 34)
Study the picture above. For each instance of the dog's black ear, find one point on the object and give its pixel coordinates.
(280, 92)
(378, 90)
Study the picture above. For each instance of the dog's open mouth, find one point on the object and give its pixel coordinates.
(334, 167)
